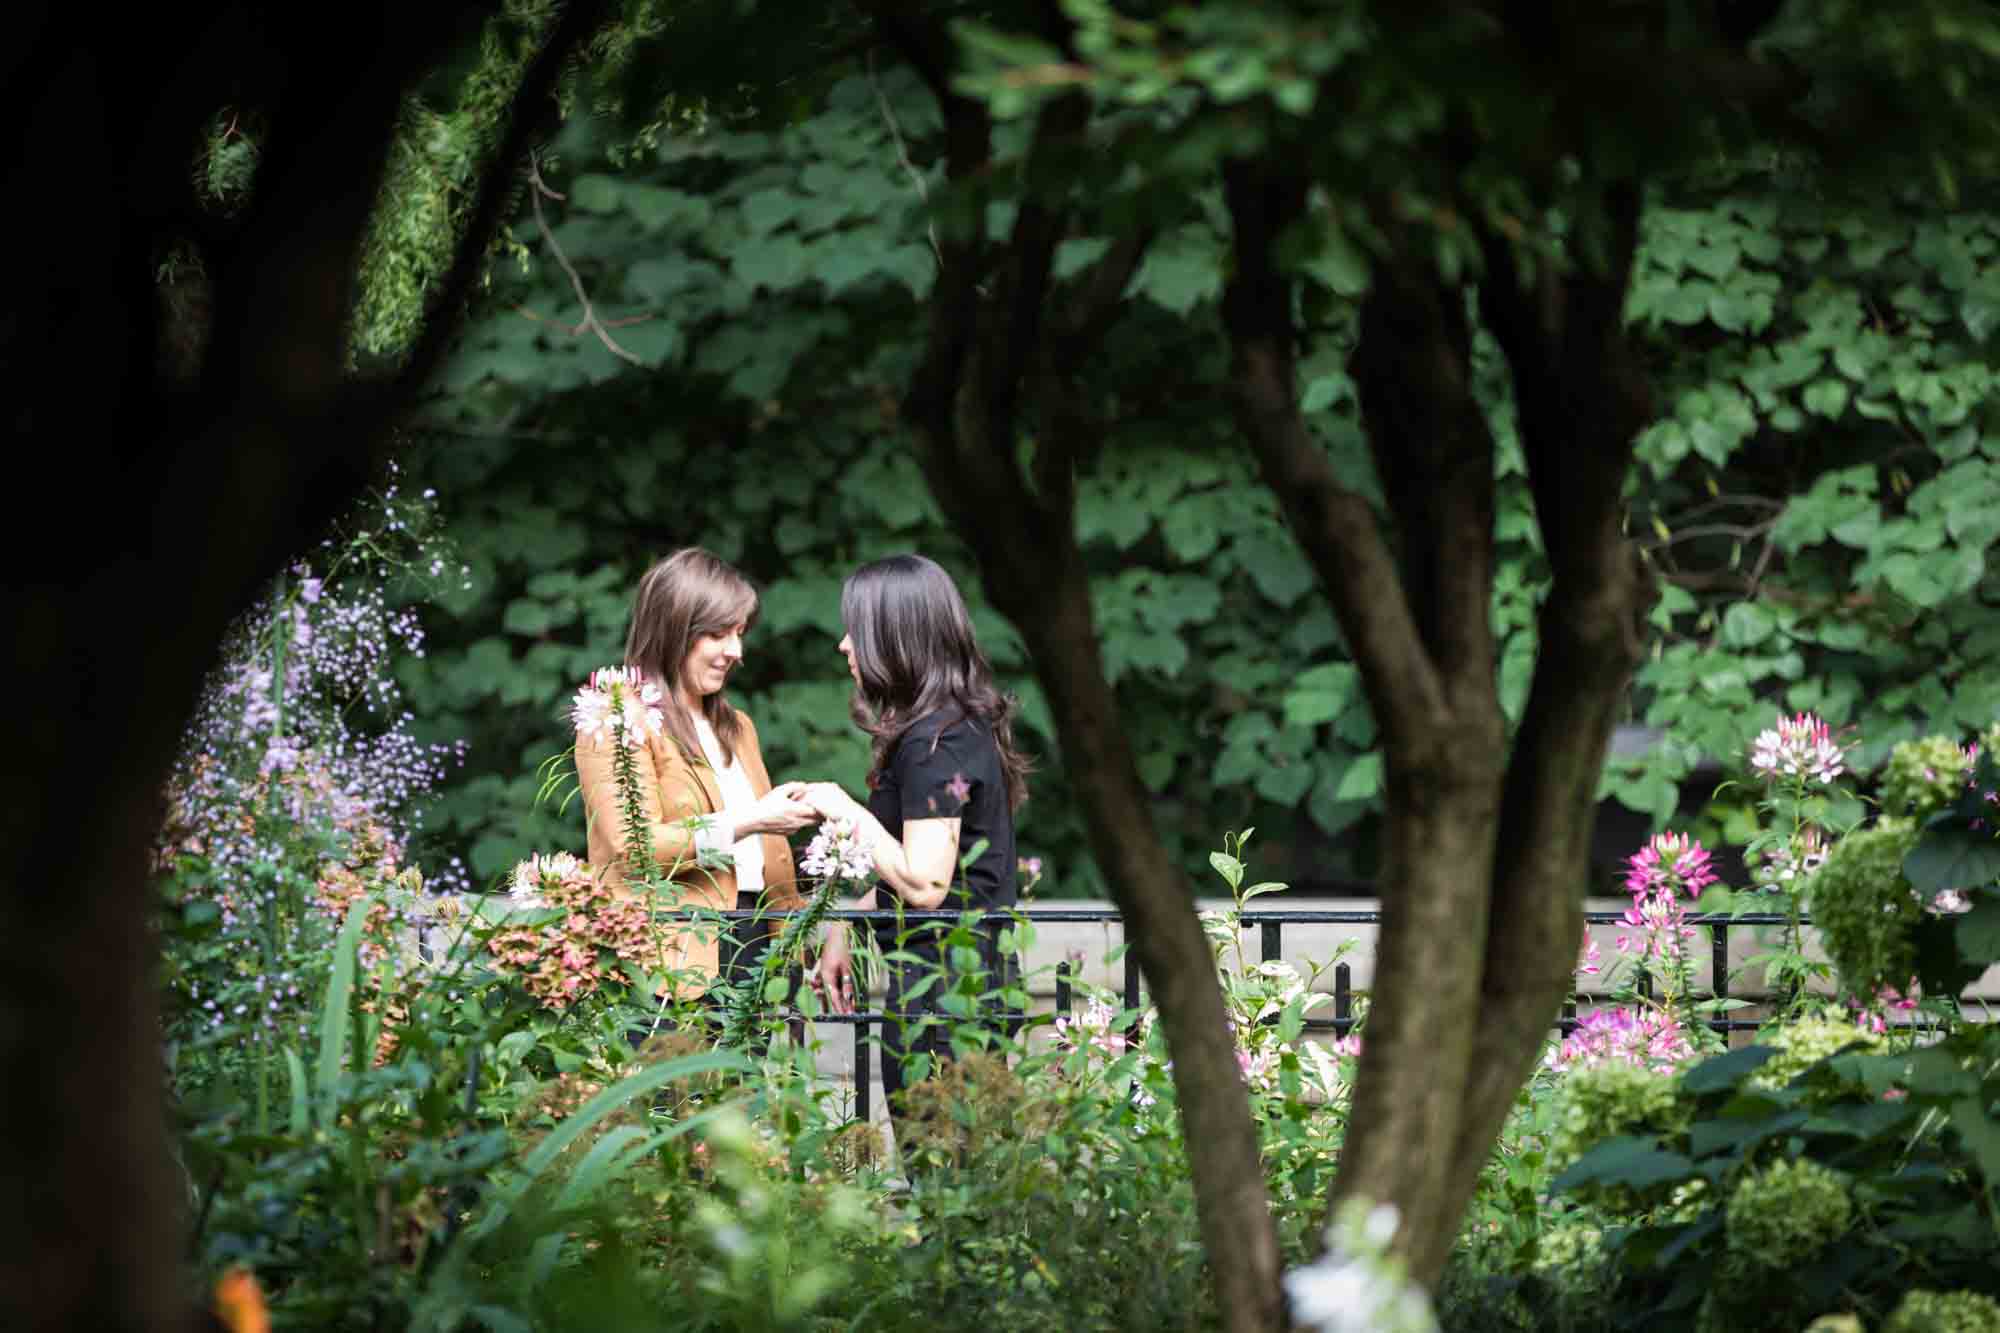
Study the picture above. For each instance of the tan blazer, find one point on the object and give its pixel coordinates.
(674, 787)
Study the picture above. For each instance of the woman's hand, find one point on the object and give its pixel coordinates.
(834, 978)
(780, 812)
(830, 801)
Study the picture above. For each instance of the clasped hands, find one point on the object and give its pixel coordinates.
(792, 806)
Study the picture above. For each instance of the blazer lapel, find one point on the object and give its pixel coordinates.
(676, 765)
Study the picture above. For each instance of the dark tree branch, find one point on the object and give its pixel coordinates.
(1336, 527)
(1434, 453)
(1099, 292)
(1038, 229)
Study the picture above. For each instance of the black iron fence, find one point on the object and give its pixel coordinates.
(1270, 925)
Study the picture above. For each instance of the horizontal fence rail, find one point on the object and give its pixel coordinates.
(1270, 924)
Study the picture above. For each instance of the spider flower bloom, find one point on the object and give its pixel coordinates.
(1589, 961)
(1798, 747)
(1670, 863)
(838, 852)
(1642, 1038)
(615, 695)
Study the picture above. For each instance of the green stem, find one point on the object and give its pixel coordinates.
(748, 1002)
(639, 870)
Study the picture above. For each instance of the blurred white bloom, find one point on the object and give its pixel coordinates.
(1356, 1287)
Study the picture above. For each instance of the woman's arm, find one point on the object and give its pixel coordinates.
(919, 869)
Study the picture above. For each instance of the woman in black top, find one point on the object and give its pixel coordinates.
(946, 778)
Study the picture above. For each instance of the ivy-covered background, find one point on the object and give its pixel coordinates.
(1826, 492)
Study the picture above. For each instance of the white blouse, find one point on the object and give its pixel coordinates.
(718, 831)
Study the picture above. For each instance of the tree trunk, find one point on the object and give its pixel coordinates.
(1238, 1234)
(1485, 856)
(169, 503)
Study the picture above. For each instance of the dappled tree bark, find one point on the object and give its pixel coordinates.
(996, 361)
(165, 500)
(1484, 854)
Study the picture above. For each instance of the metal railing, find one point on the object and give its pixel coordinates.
(1270, 924)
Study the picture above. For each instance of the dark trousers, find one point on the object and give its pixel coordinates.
(908, 1004)
(741, 950)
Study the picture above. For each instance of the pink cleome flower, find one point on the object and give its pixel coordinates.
(1670, 862)
(1798, 747)
(1642, 1038)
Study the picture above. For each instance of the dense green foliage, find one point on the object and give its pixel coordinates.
(1823, 539)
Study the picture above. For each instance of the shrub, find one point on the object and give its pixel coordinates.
(1785, 1213)
(1866, 910)
(1944, 1312)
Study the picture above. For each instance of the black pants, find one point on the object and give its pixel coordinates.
(917, 1022)
(741, 950)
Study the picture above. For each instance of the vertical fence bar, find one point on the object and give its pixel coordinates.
(1645, 984)
(1568, 1023)
(862, 1101)
(1064, 1001)
(1131, 978)
(1273, 942)
(1343, 999)
(1718, 963)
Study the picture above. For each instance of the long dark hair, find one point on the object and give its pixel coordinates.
(917, 655)
(681, 598)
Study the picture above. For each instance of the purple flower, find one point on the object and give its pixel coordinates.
(960, 788)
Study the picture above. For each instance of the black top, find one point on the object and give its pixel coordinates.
(947, 766)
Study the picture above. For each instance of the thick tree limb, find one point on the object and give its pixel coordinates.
(1581, 402)
(1433, 451)
(983, 359)
(1336, 528)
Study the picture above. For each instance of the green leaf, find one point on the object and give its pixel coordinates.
(295, 1070)
(1827, 398)
(1321, 694)
(1978, 931)
(1625, 1160)
(1228, 867)
(1285, 784)
(1362, 778)
(618, 1148)
(1276, 567)
(1934, 1072)
(550, 1148)
(1952, 858)
(1726, 1071)
(1746, 624)
(1978, 1130)
(339, 988)
(1710, 1136)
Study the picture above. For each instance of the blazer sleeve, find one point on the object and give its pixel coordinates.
(781, 887)
(668, 801)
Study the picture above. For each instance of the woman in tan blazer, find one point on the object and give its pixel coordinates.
(716, 825)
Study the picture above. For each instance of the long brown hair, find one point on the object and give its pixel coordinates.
(916, 653)
(681, 598)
